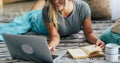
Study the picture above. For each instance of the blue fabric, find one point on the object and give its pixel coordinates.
(31, 20)
(37, 23)
(109, 37)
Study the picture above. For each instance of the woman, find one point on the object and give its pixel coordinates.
(65, 17)
(61, 18)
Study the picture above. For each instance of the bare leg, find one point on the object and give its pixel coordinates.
(38, 5)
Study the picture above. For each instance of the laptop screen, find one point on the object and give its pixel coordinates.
(28, 47)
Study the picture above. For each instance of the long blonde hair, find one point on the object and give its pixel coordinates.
(52, 14)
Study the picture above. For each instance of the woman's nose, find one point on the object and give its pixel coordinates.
(56, 1)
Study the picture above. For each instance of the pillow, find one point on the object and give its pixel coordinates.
(100, 9)
(116, 26)
(109, 37)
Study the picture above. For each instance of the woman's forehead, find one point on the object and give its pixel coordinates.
(58, 0)
(62, 1)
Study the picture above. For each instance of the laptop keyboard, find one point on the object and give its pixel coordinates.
(54, 56)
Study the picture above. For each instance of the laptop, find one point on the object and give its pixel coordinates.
(30, 48)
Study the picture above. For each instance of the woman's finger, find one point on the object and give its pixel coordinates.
(97, 44)
(53, 49)
(102, 44)
(103, 47)
(50, 46)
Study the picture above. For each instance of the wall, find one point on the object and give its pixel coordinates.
(1, 6)
(115, 9)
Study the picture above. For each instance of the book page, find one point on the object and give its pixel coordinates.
(91, 49)
(77, 53)
(99, 54)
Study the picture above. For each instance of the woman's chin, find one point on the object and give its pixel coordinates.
(60, 8)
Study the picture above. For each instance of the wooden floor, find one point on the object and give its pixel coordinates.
(14, 10)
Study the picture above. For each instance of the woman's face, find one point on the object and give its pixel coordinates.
(59, 4)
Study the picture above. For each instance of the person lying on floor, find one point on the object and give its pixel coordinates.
(61, 17)
(112, 33)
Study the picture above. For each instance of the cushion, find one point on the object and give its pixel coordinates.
(100, 9)
(116, 26)
(109, 37)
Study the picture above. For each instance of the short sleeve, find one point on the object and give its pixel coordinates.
(86, 9)
(45, 14)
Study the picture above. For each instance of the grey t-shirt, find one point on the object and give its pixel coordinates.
(71, 24)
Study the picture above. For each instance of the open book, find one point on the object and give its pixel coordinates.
(85, 52)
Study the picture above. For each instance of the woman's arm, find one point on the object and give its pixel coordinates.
(38, 5)
(54, 36)
(91, 37)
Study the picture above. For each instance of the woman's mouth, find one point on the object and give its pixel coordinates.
(58, 4)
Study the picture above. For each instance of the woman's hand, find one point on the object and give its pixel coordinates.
(54, 36)
(52, 46)
(100, 43)
(90, 35)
